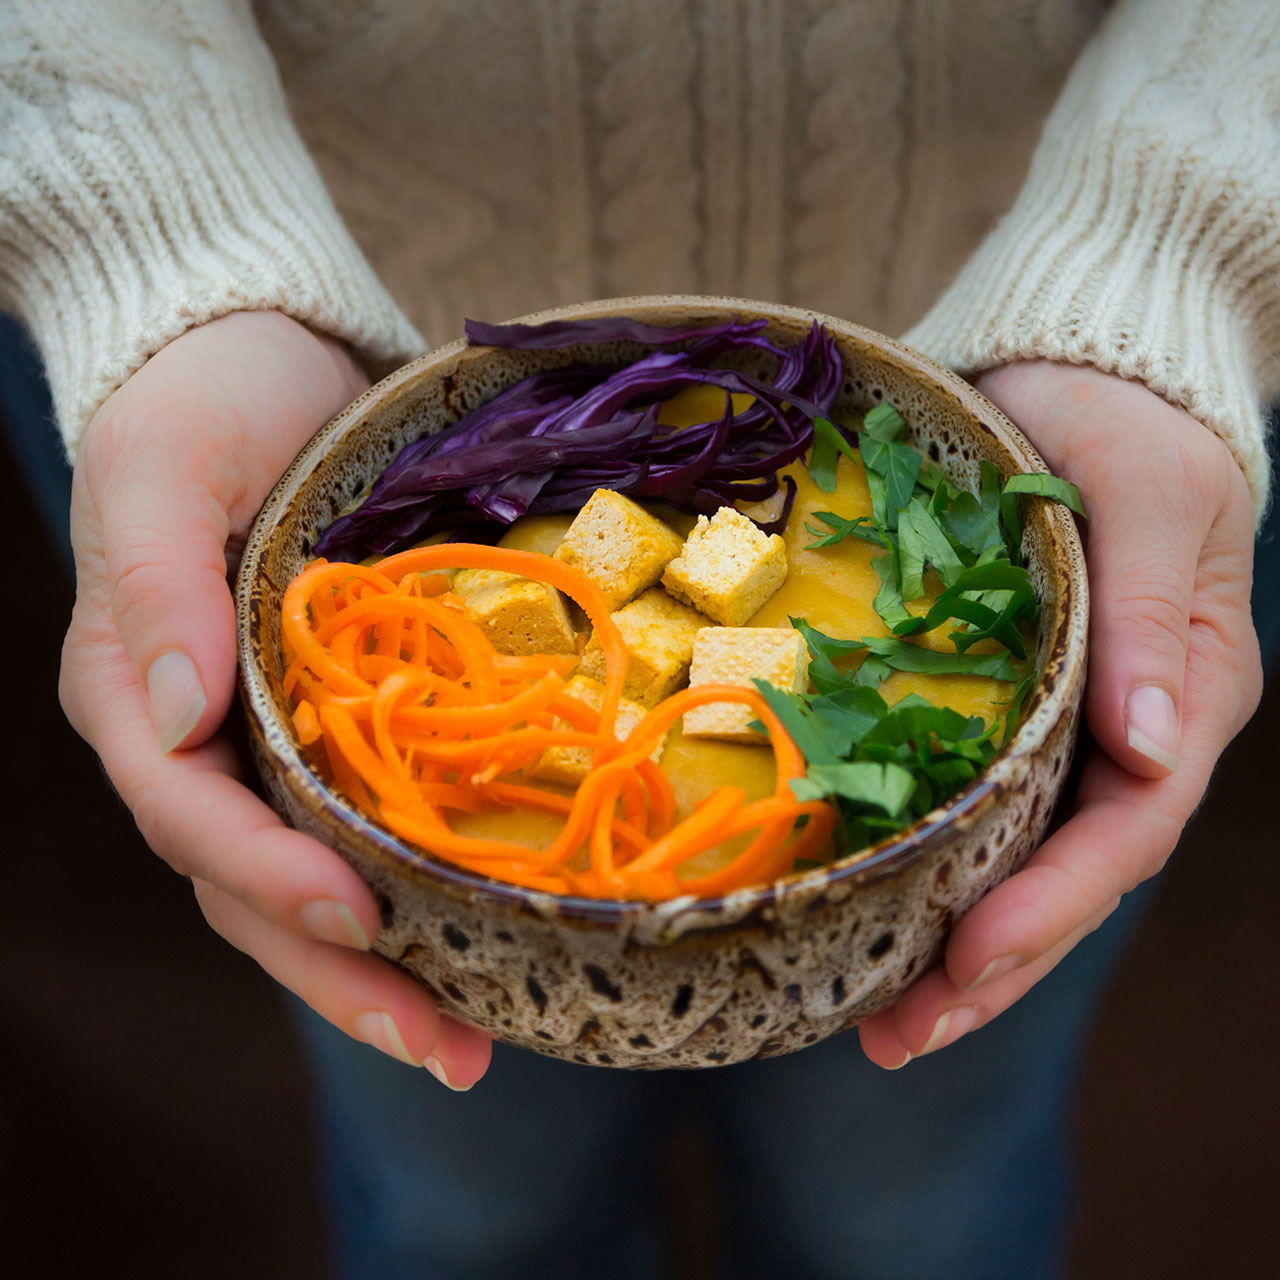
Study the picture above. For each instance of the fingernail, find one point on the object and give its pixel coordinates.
(379, 1029)
(175, 697)
(436, 1067)
(333, 922)
(897, 1066)
(1153, 725)
(996, 969)
(950, 1027)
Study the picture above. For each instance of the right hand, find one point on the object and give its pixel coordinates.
(169, 476)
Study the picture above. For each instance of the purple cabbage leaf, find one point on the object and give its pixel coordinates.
(544, 445)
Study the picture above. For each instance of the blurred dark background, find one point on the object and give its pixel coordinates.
(154, 1113)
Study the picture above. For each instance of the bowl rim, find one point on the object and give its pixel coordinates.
(1051, 698)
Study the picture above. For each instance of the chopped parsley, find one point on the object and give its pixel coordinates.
(886, 766)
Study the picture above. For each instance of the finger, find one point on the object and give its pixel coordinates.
(201, 431)
(1123, 833)
(363, 995)
(194, 813)
(880, 1041)
(164, 534)
(1142, 567)
(1125, 827)
(935, 1013)
(461, 1055)
(1224, 665)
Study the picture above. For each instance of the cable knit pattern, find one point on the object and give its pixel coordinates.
(766, 150)
(927, 37)
(724, 178)
(844, 238)
(644, 160)
(163, 163)
(132, 211)
(571, 256)
(1146, 240)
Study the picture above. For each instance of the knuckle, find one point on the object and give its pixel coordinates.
(1200, 476)
(121, 446)
(146, 800)
(145, 582)
(140, 581)
(1147, 616)
(1068, 896)
(1227, 664)
(106, 442)
(1074, 893)
(138, 602)
(215, 905)
(1249, 682)
(69, 698)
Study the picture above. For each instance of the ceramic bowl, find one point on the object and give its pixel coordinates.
(686, 983)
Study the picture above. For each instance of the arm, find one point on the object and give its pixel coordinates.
(1145, 242)
(151, 185)
(150, 181)
(1121, 315)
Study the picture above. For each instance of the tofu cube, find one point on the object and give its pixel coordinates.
(658, 632)
(619, 545)
(728, 568)
(739, 656)
(518, 615)
(569, 765)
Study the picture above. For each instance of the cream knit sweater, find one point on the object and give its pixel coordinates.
(381, 170)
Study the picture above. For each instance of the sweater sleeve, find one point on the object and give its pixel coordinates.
(1146, 240)
(151, 180)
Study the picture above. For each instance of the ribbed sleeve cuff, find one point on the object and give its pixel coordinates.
(1144, 257)
(128, 218)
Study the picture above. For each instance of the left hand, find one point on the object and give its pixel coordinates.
(1174, 674)
(168, 478)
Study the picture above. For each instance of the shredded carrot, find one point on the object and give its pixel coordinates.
(306, 723)
(406, 701)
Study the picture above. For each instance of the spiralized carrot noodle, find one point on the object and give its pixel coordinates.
(405, 700)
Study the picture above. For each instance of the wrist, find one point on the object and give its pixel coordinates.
(236, 397)
(1080, 419)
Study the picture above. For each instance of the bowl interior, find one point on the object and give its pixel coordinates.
(946, 420)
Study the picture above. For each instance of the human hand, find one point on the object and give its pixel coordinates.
(169, 476)
(1174, 674)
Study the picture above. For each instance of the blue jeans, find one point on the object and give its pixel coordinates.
(955, 1167)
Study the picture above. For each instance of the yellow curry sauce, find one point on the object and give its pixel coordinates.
(832, 588)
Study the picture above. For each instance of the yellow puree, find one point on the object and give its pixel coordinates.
(831, 588)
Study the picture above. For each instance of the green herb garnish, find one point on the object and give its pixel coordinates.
(828, 444)
(859, 527)
(885, 766)
(886, 786)
(883, 422)
(1047, 486)
(902, 655)
(921, 541)
(897, 464)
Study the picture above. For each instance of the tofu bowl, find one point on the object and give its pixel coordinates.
(707, 976)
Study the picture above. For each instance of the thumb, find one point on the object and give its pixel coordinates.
(1142, 580)
(175, 461)
(164, 533)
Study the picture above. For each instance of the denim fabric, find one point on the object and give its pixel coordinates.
(26, 417)
(955, 1167)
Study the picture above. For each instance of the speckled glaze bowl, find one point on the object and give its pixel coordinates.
(687, 983)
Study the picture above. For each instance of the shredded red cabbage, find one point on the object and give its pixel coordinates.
(546, 444)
